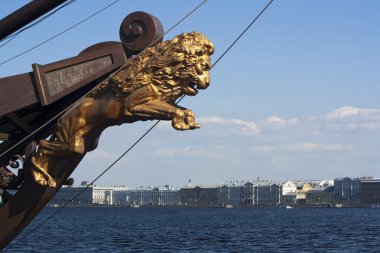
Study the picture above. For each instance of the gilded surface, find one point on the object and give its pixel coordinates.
(145, 89)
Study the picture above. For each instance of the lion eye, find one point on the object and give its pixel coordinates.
(199, 52)
(199, 68)
(206, 66)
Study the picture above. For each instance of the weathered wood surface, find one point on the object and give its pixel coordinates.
(19, 211)
(17, 92)
(51, 82)
(28, 101)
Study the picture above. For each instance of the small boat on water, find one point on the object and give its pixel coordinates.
(289, 207)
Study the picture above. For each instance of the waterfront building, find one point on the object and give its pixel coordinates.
(289, 193)
(302, 191)
(231, 194)
(320, 196)
(236, 193)
(370, 192)
(84, 195)
(289, 199)
(347, 191)
(141, 196)
(165, 196)
(102, 195)
(326, 183)
(160, 195)
(260, 192)
(121, 196)
(96, 195)
(249, 194)
(199, 196)
(267, 194)
(224, 195)
(289, 187)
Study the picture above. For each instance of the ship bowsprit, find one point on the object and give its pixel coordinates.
(31, 103)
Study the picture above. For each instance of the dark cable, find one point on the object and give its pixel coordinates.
(111, 75)
(55, 36)
(79, 193)
(121, 156)
(14, 35)
(136, 142)
(59, 114)
(241, 35)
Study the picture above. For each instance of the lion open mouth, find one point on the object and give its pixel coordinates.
(192, 89)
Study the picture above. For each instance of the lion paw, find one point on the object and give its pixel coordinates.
(194, 126)
(181, 126)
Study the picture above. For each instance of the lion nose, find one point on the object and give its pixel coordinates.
(205, 85)
(207, 80)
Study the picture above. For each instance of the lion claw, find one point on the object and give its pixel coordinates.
(195, 126)
(181, 126)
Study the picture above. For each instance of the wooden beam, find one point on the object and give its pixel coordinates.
(4, 137)
(17, 121)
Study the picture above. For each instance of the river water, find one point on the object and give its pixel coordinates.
(110, 229)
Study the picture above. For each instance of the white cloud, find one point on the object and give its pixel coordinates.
(166, 152)
(213, 120)
(275, 121)
(246, 127)
(293, 121)
(265, 149)
(284, 131)
(370, 126)
(100, 154)
(165, 124)
(315, 133)
(350, 112)
(305, 147)
(189, 151)
(310, 146)
(346, 118)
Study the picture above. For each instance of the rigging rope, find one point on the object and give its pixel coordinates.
(110, 166)
(110, 76)
(58, 34)
(59, 114)
(242, 33)
(146, 133)
(14, 35)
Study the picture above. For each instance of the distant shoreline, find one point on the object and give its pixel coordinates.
(180, 206)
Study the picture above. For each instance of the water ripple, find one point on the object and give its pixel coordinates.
(205, 230)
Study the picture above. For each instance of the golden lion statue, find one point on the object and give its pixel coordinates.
(145, 89)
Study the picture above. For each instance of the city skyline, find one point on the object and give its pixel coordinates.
(342, 192)
(190, 183)
(296, 96)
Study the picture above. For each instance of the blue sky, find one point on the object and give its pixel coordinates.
(297, 97)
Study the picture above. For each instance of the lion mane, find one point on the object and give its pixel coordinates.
(145, 88)
(167, 66)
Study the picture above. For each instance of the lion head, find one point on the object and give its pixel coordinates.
(176, 67)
